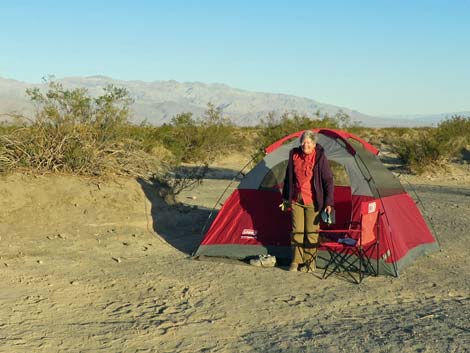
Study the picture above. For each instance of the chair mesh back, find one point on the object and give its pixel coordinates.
(369, 214)
(368, 222)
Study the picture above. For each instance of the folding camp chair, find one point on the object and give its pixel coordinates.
(354, 250)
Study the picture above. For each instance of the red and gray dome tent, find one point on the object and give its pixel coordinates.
(250, 222)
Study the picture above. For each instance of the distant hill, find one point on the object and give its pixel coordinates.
(157, 102)
(13, 98)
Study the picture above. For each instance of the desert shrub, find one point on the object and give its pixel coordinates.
(392, 137)
(199, 140)
(420, 152)
(78, 134)
(426, 148)
(65, 109)
(148, 137)
(72, 132)
(371, 135)
(393, 132)
(7, 128)
(454, 135)
(217, 135)
(194, 141)
(181, 136)
(178, 178)
(455, 126)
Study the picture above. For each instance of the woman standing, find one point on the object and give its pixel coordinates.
(308, 190)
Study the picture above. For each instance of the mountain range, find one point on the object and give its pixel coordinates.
(157, 102)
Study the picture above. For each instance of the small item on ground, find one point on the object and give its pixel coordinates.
(264, 261)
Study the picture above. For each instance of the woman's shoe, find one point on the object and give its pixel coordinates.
(264, 261)
(308, 267)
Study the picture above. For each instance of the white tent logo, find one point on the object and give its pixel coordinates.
(249, 233)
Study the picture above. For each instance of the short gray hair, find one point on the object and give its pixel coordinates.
(309, 134)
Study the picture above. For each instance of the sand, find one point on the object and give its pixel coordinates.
(102, 265)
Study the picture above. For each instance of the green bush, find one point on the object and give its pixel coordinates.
(200, 140)
(145, 135)
(454, 135)
(75, 133)
(426, 148)
(420, 152)
(71, 132)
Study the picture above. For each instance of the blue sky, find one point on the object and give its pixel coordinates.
(378, 57)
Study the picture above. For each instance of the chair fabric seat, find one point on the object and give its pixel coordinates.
(338, 246)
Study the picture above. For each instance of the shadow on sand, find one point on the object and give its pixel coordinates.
(393, 163)
(465, 154)
(437, 189)
(179, 225)
(212, 173)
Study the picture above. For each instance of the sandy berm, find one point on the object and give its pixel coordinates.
(102, 265)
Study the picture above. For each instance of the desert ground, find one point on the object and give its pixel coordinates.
(103, 265)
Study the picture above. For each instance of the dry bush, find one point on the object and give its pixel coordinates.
(74, 152)
(199, 140)
(454, 136)
(428, 149)
(77, 134)
(191, 144)
(74, 133)
(420, 153)
(45, 148)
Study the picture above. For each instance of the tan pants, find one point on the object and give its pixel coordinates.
(304, 237)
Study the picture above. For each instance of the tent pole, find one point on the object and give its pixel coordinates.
(371, 179)
(220, 198)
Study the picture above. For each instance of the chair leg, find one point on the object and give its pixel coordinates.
(332, 261)
(368, 267)
(378, 254)
(361, 259)
(343, 262)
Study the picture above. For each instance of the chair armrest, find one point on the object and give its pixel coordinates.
(335, 234)
(339, 230)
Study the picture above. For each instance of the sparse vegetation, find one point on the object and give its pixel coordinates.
(195, 141)
(71, 132)
(427, 148)
(75, 133)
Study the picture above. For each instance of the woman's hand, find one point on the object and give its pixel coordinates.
(285, 206)
(328, 209)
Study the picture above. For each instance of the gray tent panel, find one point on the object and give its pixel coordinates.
(381, 180)
(271, 170)
(254, 178)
